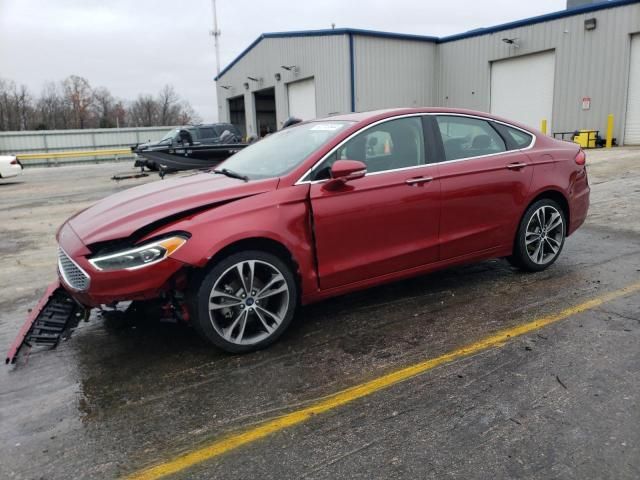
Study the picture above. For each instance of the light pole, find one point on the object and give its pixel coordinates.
(216, 34)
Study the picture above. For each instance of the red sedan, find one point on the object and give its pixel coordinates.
(327, 207)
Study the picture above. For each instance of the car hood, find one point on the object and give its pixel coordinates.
(120, 215)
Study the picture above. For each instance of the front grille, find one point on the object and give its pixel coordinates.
(71, 273)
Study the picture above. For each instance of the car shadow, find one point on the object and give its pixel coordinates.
(134, 360)
(142, 337)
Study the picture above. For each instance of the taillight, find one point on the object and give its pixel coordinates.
(14, 161)
(581, 158)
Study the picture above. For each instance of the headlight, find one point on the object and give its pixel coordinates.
(139, 257)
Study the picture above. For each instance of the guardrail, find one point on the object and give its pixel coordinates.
(33, 158)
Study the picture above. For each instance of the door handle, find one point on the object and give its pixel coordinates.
(516, 166)
(418, 180)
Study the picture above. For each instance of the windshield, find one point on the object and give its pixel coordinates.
(170, 134)
(281, 152)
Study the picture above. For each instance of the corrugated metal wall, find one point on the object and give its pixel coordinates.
(457, 73)
(393, 73)
(67, 140)
(326, 58)
(591, 64)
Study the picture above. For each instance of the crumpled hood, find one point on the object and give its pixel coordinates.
(121, 214)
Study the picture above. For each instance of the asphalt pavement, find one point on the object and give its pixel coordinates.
(560, 401)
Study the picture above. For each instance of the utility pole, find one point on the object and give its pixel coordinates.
(216, 34)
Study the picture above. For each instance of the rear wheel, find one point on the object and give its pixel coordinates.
(245, 302)
(540, 236)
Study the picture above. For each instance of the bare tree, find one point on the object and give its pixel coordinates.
(8, 107)
(16, 106)
(120, 114)
(143, 112)
(24, 107)
(51, 110)
(104, 108)
(72, 103)
(5, 105)
(168, 106)
(79, 95)
(187, 115)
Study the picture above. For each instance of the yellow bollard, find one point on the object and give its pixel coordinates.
(609, 141)
(543, 126)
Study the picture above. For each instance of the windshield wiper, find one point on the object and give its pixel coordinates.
(231, 174)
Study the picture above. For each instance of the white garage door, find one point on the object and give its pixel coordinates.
(302, 99)
(522, 88)
(632, 126)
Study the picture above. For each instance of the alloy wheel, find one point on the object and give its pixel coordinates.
(544, 235)
(248, 302)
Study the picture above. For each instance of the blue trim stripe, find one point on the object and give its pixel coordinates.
(352, 72)
(402, 36)
(354, 31)
(242, 54)
(594, 7)
(325, 33)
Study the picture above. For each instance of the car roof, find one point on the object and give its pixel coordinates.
(392, 112)
(375, 115)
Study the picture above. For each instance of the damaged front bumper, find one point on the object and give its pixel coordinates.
(80, 287)
(51, 320)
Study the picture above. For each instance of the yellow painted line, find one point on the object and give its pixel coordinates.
(344, 397)
(74, 154)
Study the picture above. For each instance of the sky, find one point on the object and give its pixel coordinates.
(137, 46)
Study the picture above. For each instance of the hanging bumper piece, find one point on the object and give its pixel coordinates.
(54, 317)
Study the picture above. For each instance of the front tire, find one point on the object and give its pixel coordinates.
(245, 302)
(540, 236)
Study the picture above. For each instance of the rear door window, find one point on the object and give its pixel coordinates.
(465, 137)
(207, 132)
(515, 138)
(225, 127)
(520, 139)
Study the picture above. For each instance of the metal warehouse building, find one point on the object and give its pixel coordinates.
(571, 68)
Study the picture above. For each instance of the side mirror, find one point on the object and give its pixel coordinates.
(343, 171)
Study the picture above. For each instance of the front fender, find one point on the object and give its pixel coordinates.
(282, 216)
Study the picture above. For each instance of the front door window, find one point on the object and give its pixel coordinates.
(387, 146)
